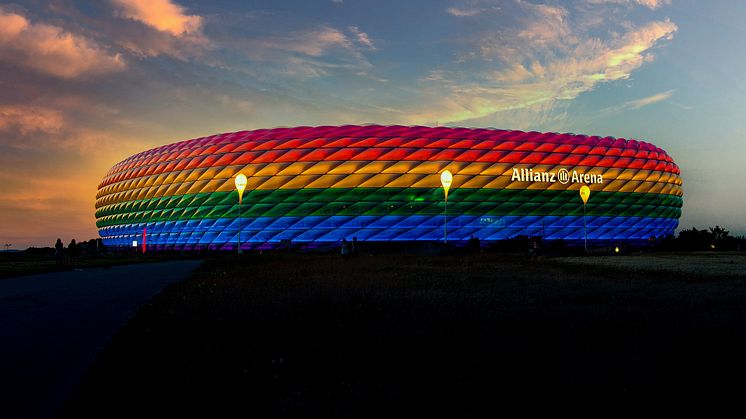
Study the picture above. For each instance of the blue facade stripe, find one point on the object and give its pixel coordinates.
(223, 231)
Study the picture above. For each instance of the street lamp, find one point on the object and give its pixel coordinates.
(446, 178)
(240, 182)
(585, 193)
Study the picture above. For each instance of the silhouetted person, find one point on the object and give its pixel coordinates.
(474, 244)
(72, 250)
(345, 248)
(533, 248)
(355, 247)
(59, 251)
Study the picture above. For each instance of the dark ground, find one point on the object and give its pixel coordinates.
(371, 336)
(15, 264)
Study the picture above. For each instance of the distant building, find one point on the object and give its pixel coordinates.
(382, 183)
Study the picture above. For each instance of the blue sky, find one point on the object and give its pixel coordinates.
(85, 84)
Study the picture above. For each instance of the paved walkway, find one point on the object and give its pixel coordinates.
(53, 325)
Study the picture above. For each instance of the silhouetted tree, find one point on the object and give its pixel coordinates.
(719, 233)
(712, 238)
(92, 247)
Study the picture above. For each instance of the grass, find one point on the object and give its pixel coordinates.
(368, 336)
(692, 265)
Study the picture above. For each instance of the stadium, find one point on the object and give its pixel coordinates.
(319, 185)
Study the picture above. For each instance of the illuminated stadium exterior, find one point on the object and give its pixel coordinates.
(382, 183)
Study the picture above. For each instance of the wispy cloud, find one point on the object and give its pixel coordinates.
(314, 43)
(549, 59)
(369, 76)
(162, 15)
(651, 4)
(22, 126)
(463, 12)
(26, 119)
(639, 103)
(313, 52)
(51, 50)
(168, 29)
(547, 27)
(472, 8)
(361, 37)
(319, 41)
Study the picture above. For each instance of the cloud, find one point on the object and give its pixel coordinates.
(548, 59)
(154, 43)
(51, 50)
(168, 29)
(640, 103)
(548, 26)
(60, 125)
(459, 12)
(361, 37)
(162, 15)
(26, 120)
(472, 8)
(313, 43)
(651, 4)
(369, 76)
(313, 53)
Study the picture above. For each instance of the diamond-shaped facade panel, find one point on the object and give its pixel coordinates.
(382, 183)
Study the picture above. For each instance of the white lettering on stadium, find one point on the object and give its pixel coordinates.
(562, 176)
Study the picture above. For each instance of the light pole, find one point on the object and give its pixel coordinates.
(240, 182)
(585, 193)
(446, 178)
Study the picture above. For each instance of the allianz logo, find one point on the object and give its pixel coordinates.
(562, 176)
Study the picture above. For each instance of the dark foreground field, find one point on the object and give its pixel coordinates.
(371, 336)
(23, 263)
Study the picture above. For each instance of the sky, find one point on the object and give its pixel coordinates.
(84, 85)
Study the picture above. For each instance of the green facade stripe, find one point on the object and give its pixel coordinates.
(388, 201)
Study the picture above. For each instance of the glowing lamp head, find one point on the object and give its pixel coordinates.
(585, 193)
(616, 249)
(240, 185)
(446, 178)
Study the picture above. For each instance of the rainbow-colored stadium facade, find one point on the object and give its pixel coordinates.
(382, 183)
